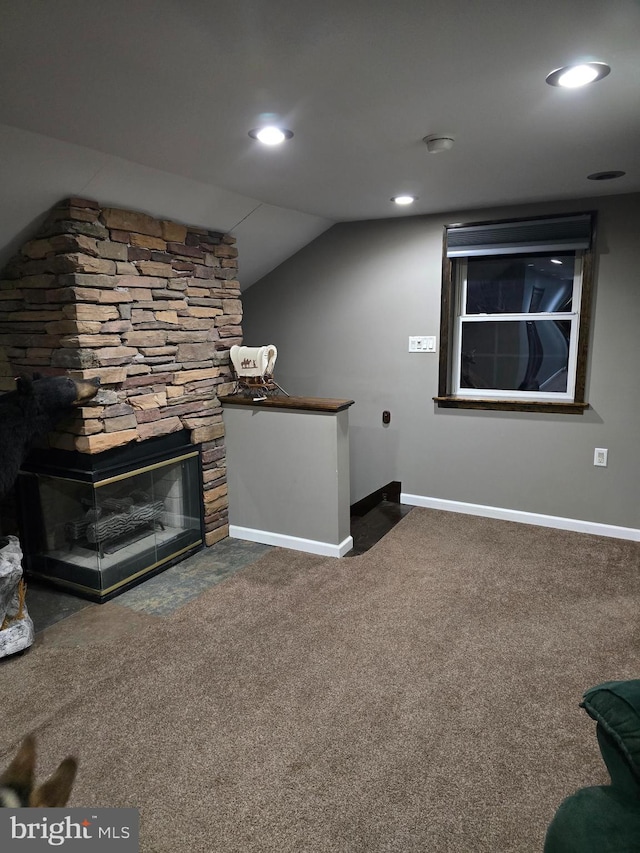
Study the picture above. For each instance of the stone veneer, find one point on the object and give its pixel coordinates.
(151, 307)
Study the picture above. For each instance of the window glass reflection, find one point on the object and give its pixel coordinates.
(519, 355)
(520, 284)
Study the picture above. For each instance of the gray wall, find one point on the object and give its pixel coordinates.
(341, 310)
(288, 473)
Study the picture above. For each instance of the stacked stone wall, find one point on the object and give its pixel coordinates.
(149, 306)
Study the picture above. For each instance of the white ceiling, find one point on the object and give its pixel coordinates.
(148, 103)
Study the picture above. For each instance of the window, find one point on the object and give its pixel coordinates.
(515, 314)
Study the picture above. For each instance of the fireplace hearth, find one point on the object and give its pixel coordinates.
(98, 524)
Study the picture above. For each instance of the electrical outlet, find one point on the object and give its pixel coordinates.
(600, 455)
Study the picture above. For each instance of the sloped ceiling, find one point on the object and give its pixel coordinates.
(148, 103)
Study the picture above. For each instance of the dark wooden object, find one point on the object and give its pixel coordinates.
(566, 408)
(304, 404)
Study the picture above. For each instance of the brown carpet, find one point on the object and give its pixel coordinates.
(421, 697)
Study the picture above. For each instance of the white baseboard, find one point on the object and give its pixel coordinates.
(593, 527)
(295, 543)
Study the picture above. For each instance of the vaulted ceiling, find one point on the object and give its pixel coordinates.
(148, 104)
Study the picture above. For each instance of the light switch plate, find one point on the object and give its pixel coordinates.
(422, 343)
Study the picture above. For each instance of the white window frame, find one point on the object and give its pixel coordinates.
(461, 317)
(565, 233)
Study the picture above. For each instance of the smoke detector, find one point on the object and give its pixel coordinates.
(437, 142)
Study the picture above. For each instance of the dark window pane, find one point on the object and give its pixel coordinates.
(519, 284)
(518, 355)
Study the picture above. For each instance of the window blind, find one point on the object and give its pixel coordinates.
(509, 238)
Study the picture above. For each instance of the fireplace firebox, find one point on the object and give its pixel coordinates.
(99, 524)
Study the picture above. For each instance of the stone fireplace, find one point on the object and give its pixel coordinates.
(150, 307)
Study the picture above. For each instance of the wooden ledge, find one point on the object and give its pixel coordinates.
(304, 404)
(549, 406)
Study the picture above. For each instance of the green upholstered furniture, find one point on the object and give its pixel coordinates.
(606, 819)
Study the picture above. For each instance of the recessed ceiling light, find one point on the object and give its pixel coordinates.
(555, 261)
(573, 76)
(605, 176)
(404, 199)
(270, 135)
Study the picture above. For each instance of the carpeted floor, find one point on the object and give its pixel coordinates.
(420, 697)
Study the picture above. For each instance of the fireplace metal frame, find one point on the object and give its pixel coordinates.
(97, 471)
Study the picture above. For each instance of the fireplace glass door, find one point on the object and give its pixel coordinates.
(98, 538)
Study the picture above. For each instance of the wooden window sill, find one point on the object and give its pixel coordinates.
(564, 408)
